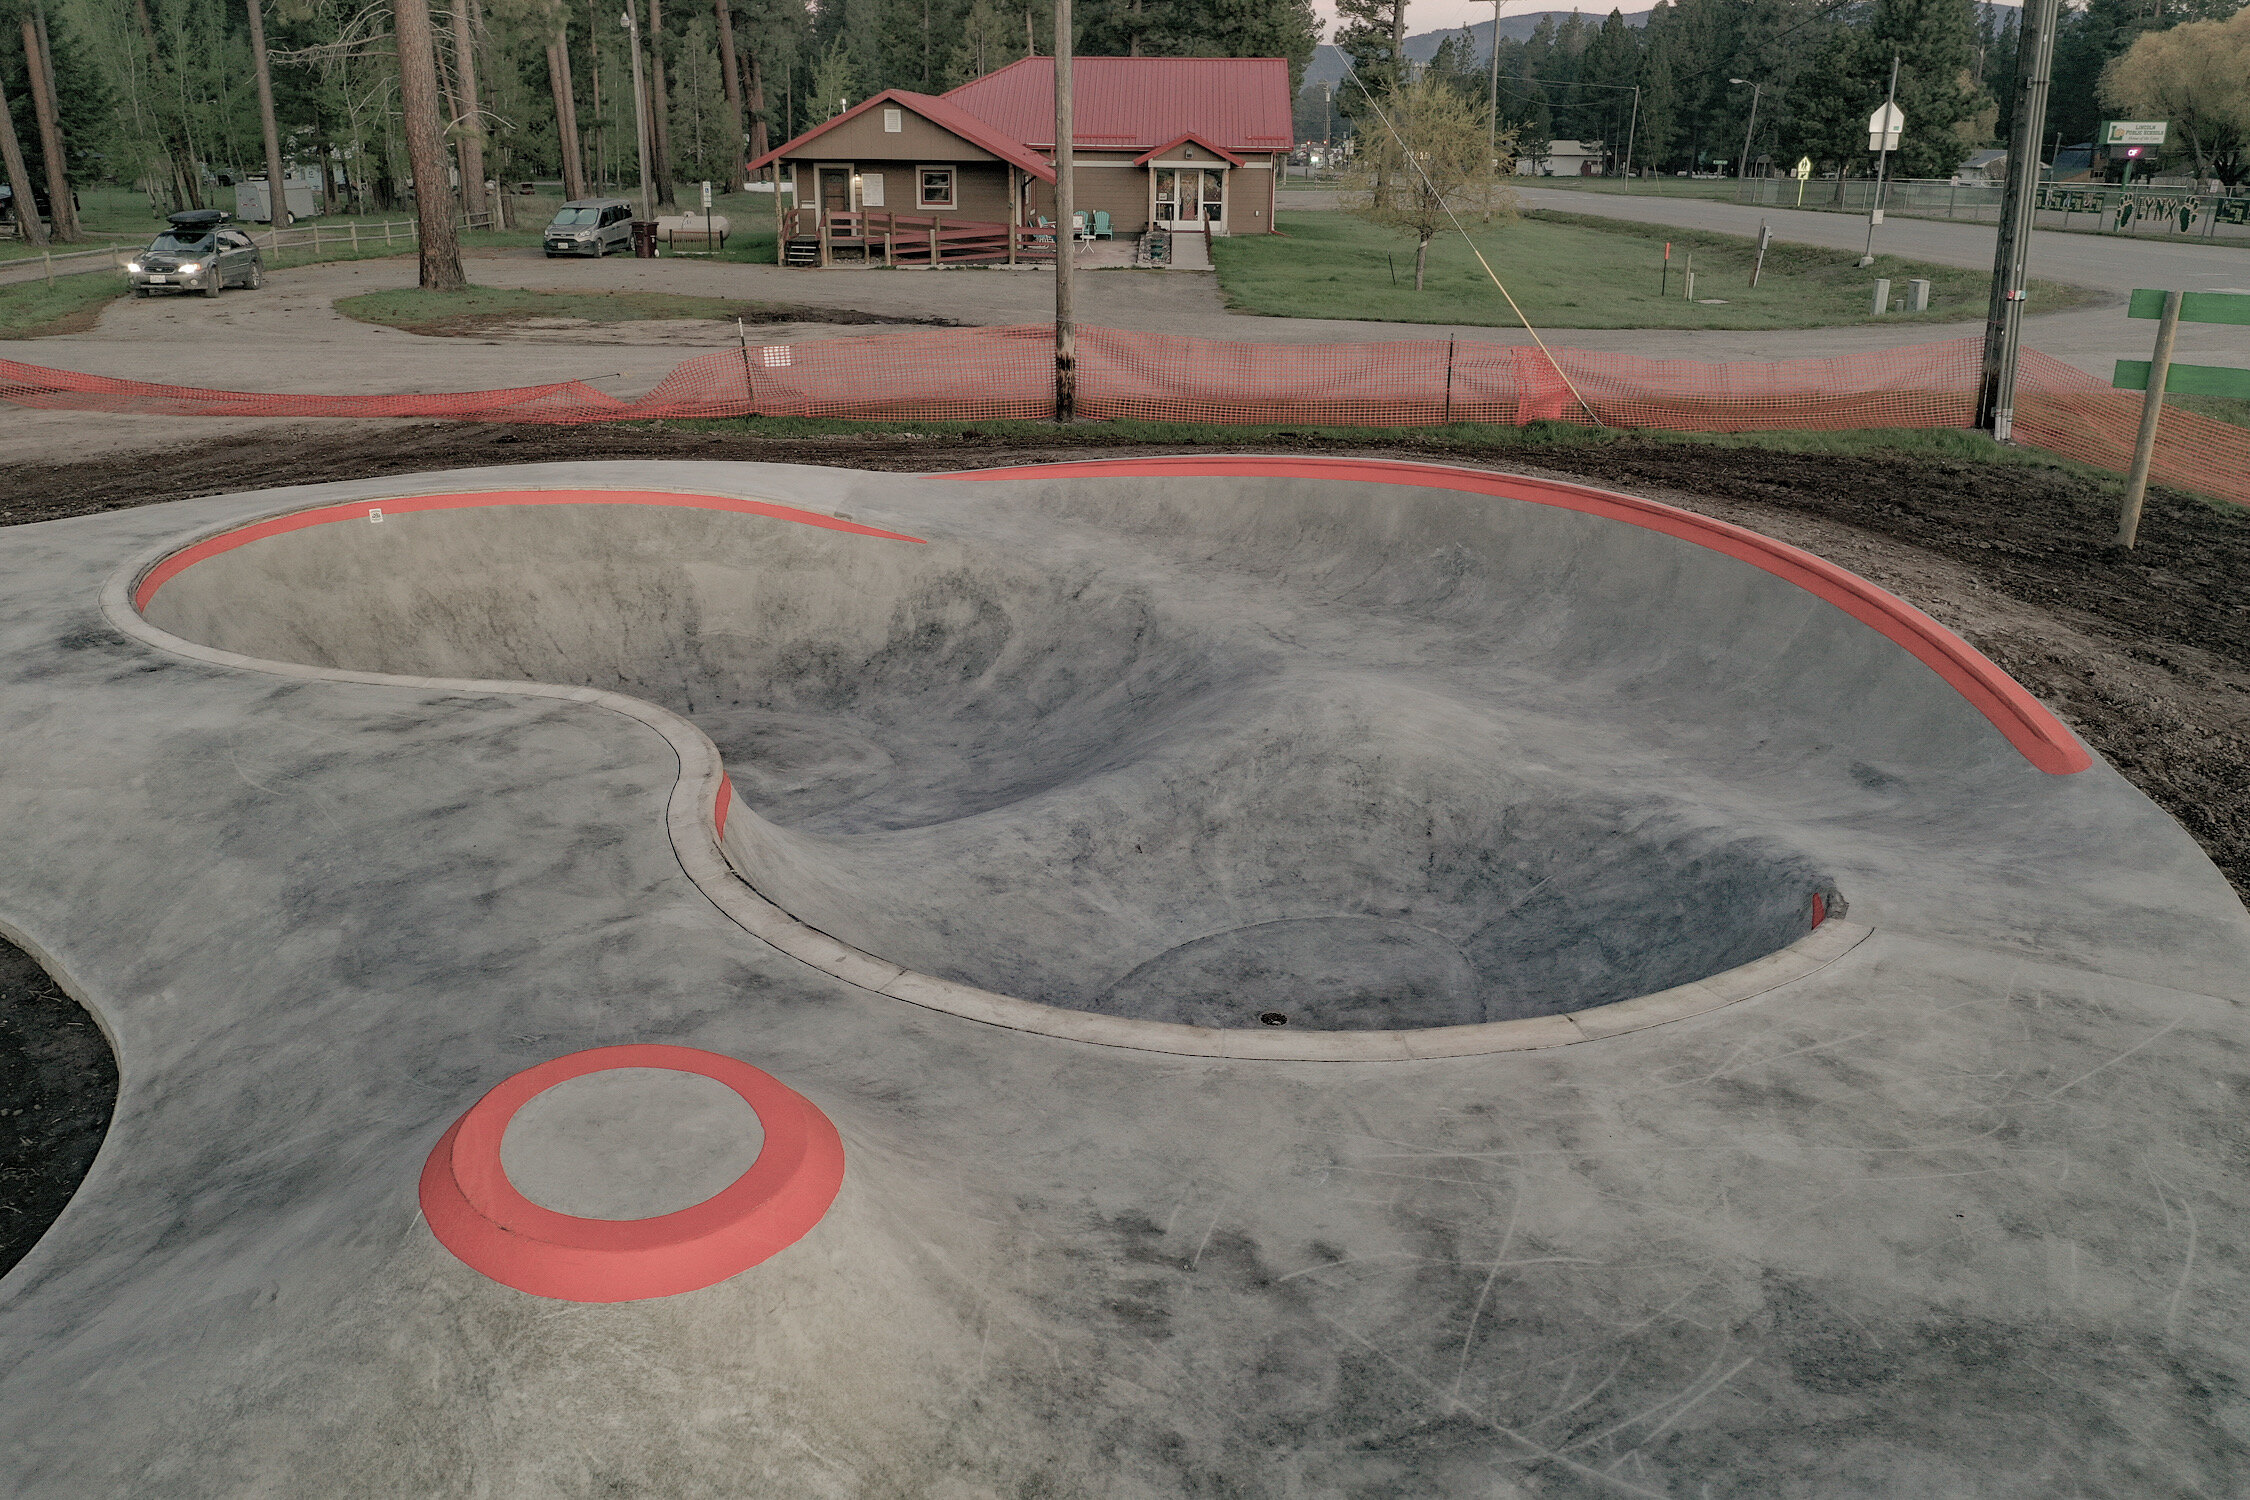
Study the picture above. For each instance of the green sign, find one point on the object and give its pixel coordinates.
(2195, 307)
(2184, 380)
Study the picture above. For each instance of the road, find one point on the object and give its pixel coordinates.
(289, 337)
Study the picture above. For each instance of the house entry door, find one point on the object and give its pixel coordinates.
(1190, 197)
(836, 190)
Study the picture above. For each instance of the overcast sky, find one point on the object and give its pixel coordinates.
(1444, 15)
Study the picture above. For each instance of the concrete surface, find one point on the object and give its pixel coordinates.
(1952, 1215)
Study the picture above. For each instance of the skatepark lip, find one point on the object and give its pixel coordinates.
(698, 815)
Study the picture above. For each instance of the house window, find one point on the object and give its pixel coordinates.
(894, 120)
(937, 187)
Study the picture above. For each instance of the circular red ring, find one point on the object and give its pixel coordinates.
(476, 1212)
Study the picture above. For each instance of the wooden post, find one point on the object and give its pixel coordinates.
(1066, 329)
(2152, 408)
(937, 251)
(1015, 213)
(782, 222)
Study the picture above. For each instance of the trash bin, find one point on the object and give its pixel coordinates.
(644, 239)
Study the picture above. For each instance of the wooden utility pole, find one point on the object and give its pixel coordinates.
(277, 187)
(425, 146)
(1066, 244)
(2011, 251)
(19, 179)
(1492, 106)
(659, 116)
(471, 123)
(59, 213)
(566, 113)
(730, 67)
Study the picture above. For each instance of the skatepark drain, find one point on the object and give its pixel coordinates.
(1331, 757)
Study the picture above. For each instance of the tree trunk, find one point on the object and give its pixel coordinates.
(277, 181)
(26, 203)
(472, 114)
(425, 146)
(566, 116)
(187, 183)
(1421, 260)
(659, 115)
(730, 68)
(50, 137)
(759, 145)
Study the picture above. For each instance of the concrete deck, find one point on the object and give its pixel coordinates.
(1951, 1214)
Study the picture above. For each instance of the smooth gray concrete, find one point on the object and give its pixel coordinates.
(630, 1143)
(1952, 1215)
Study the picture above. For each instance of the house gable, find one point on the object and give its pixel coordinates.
(929, 130)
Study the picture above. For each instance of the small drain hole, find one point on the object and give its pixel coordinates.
(1272, 1018)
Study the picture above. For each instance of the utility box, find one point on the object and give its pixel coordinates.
(253, 204)
(1882, 296)
(1918, 295)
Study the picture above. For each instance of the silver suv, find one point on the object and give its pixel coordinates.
(197, 252)
(590, 226)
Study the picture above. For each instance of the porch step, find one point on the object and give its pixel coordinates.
(804, 251)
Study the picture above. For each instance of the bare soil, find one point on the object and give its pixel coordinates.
(58, 1087)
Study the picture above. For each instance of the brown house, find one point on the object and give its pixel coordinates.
(1167, 143)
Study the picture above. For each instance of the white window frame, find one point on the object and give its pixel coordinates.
(952, 190)
(894, 121)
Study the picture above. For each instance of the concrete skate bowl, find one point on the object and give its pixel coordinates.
(1369, 762)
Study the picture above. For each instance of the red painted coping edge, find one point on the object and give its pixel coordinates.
(477, 1213)
(369, 510)
(722, 804)
(2021, 718)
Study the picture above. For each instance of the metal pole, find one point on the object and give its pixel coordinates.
(2011, 251)
(2152, 407)
(640, 121)
(1492, 107)
(1882, 166)
(1066, 332)
(1742, 173)
(1629, 130)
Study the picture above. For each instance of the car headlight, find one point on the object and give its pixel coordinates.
(191, 268)
(133, 266)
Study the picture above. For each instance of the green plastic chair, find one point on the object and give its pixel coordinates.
(1101, 224)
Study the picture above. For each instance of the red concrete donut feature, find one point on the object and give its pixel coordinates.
(476, 1212)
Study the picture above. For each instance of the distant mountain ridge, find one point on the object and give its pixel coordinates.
(1327, 65)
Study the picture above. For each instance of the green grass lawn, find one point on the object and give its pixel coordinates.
(1568, 271)
(418, 311)
(30, 309)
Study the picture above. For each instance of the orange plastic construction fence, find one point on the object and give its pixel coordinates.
(969, 374)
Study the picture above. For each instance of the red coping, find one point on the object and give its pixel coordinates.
(723, 803)
(1819, 908)
(2021, 718)
(478, 1215)
(359, 510)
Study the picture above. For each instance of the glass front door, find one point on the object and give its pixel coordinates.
(1188, 197)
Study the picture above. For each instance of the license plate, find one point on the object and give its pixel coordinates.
(160, 278)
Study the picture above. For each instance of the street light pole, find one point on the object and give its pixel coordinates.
(640, 119)
(1750, 129)
(1492, 107)
(2011, 251)
(1882, 165)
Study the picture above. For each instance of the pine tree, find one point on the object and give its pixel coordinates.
(991, 38)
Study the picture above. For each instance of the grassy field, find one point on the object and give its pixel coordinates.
(32, 309)
(1568, 271)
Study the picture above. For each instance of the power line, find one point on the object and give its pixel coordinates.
(1415, 163)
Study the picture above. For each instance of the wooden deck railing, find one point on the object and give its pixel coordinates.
(898, 239)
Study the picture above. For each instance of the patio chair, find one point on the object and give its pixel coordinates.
(1101, 224)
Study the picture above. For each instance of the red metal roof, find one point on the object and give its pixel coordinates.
(1133, 103)
(938, 112)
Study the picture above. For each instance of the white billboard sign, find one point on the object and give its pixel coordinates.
(2133, 132)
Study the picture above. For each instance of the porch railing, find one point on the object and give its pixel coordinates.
(898, 239)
